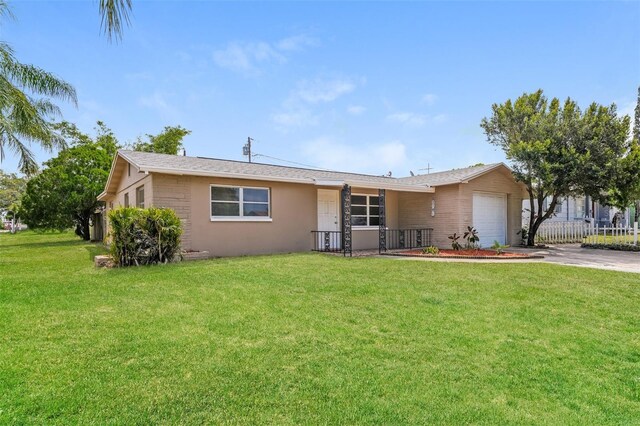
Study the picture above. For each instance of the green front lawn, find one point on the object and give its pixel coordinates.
(311, 338)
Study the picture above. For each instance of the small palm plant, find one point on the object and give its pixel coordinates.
(499, 248)
(454, 241)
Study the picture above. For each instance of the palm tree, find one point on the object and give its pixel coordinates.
(26, 106)
(114, 14)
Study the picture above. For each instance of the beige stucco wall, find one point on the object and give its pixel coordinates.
(454, 207)
(293, 213)
(128, 184)
(498, 181)
(174, 191)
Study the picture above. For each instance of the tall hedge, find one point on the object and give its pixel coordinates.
(144, 236)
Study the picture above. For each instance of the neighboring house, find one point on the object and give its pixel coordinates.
(237, 208)
(582, 208)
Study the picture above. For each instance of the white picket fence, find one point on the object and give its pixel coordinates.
(582, 232)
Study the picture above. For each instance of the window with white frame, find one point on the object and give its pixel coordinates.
(365, 210)
(579, 207)
(237, 202)
(140, 197)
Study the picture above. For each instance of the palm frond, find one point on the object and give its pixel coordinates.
(27, 163)
(114, 13)
(38, 81)
(5, 10)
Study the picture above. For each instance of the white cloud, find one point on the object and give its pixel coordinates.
(248, 57)
(374, 158)
(408, 118)
(440, 118)
(158, 102)
(287, 120)
(356, 109)
(429, 99)
(319, 90)
(296, 43)
(412, 119)
(296, 109)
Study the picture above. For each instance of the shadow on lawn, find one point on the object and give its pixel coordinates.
(95, 249)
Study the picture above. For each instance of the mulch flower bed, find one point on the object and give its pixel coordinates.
(467, 254)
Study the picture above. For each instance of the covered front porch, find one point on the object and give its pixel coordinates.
(356, 218)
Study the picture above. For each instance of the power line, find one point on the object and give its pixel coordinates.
(292, 162)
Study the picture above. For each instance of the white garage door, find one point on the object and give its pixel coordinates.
(490, 217)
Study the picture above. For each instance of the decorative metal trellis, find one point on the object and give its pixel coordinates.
(382, 224)
(346, 220)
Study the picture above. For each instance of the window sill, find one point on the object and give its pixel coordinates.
(365, 228)
(241, 219)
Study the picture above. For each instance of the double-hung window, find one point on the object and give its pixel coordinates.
(240, 203)
(579, 207)
(140, 197)
(365, 210)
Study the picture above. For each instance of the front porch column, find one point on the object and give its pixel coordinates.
(346, 219)
(382, 224)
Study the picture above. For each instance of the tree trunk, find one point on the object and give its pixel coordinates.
(533, 230)
(530, 238)
(82, 227)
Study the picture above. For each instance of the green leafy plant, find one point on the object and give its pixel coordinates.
(471, 235)
(431, 250)
(454, 241)
(499, 248)
(524, 235)
(144, 236)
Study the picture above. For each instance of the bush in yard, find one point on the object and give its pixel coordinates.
(144, 236)
(614, 246)
(471, 235)
(499, 248)
(431, 250)
(454, 241)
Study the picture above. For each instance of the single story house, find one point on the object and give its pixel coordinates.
(234, 208)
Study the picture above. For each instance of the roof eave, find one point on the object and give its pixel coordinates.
(306, 181)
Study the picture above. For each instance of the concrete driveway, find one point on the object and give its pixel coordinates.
(574, 255)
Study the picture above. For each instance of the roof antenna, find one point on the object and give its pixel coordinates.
(428, 168)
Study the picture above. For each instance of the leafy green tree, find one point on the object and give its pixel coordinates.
(557, 150)
(12, 187)
(169, 141)
(26, 106)
(635, 195)
(64, 194)
(627, 188)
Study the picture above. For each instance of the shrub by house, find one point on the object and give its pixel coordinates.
(144, 236)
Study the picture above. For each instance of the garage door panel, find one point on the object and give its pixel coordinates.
(490, 217)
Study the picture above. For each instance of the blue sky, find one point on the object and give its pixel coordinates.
(361, 86)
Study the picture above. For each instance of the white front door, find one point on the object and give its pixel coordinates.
(328, 210)
(329, 217)
(490, 217)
